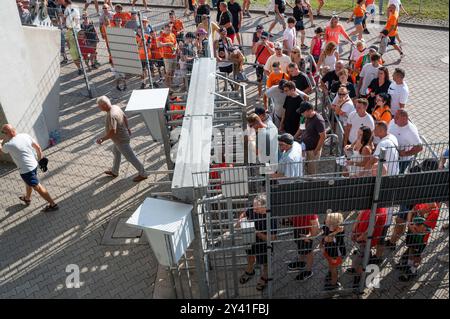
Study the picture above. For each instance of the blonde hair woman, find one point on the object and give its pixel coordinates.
(329, 56)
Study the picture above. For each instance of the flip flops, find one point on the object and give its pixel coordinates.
(50, 208)
(26, 201)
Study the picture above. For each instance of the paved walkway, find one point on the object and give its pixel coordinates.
(36, 248)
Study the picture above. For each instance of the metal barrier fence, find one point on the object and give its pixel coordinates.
(304, 259)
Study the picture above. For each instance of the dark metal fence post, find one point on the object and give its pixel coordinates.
(269, 234)
(380, 7)
(233, 243)
(370, 229)
(86, 79)
(199, 260)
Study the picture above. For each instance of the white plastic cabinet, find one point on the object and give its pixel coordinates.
(168, 227)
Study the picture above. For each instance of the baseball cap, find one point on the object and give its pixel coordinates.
(419, 220)
(278, 45)
(304, 106)
(118, 5)
(286, 138)
(259, 110)
(201, 31)
(264, 35)
(259, 27)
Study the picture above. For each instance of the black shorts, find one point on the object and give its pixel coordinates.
(180, 37)
(157, 63)
(144, 64)
(299, 25)
(415, 250)
(226, 69)
(305, 247)
(392, 41)
(259, 250)
(236, 29)
(259, 73)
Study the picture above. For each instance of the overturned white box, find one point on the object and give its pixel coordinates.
(168, 227)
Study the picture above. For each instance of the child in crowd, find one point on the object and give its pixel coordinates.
(276, 75)
(333, 247)
(316, 44)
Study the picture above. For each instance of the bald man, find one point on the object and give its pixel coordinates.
(23, 150)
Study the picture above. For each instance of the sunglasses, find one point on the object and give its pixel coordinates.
(295, 52)
(277, 48)
(342, 94)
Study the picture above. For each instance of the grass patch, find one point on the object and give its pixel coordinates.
(428, 9)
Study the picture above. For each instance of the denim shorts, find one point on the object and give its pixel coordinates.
(30, 178)
(359, 20)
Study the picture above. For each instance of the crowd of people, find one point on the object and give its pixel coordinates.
(370, 104)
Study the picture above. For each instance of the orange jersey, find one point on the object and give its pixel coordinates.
(275, 78)
(156, 52)
(177, 26)
(125, 16)
(369, 2)
(382, 113)
(392, 22)
(168, 52)
(332, 34)
(141, 48)
(359, 11)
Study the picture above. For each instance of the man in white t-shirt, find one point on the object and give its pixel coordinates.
(368, 73)
(277, 57)
(398, 5)
(289, 36)
(389, 143)
(409, 142)
(356, 120)
(23, 149)
(343, 105)
(398, 90)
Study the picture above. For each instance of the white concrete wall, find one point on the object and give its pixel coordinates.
(29, 81)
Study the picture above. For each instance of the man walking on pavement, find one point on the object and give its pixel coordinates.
(117, 130)
(23, 150)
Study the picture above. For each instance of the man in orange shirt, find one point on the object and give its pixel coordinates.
(177, 26)
(168, 44)
(120, 14)
(392, 28)
(156, 53)
(276, 75)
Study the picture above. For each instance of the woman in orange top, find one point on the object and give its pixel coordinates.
(392, 28)
(334, 30)
(276, 75)
(124, 16)
(359, 13)
(382, 110)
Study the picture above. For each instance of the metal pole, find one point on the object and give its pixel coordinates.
(269, 236)
(371, 226)
(380, 9)
(86, 79)
(199, 254)
(145, 49)
(233, 242)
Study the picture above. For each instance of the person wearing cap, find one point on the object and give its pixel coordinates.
(279, 56)
(313, 136)
(120, 14)
(203, 8)
(290, 163)
(133, 23)
(264, 116)
(147, 27)
(262, 49)
(419, 231)
(257, 34)
(202, 42)
(279, 9)
(189, 51)
(168, 44)
(177, 26)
